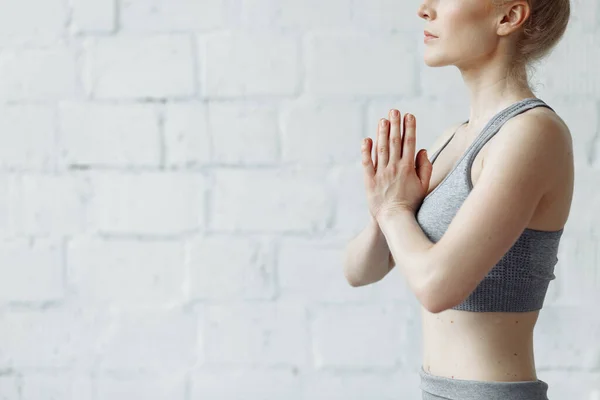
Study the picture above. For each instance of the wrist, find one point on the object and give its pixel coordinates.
(389, 215)
(372, 220)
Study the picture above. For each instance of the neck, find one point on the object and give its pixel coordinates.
(491, 89)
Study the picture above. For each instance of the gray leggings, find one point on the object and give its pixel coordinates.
(441, 388)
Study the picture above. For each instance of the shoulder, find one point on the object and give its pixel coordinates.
(538, 138)
(540, 130)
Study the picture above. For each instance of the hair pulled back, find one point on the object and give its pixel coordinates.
(540, 33)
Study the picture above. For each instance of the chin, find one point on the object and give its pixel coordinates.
(434, 61)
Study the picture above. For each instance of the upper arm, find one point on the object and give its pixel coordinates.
(437, 143)
(519, 169)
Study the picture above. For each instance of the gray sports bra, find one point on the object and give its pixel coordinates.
(519, 281)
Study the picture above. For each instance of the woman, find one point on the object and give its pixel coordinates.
(477, 235)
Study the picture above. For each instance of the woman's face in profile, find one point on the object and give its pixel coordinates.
(465, 30)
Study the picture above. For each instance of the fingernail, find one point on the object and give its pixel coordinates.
(410, 118)
(394, 113)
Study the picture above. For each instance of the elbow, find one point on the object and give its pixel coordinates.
(353, 280)
(434, 304)
(435, 308)
(354, 283)
(350, 277)
(436, 296)
(353, 274)
(430, 302)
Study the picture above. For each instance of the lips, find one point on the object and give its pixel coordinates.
(429, 34)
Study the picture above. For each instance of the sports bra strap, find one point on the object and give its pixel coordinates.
(437, 152)
(493, 126)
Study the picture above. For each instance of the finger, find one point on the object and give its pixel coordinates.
(424, 168)
(367, 162)
(409, 139)
(375, 156)
(383, 147)
(395, 136)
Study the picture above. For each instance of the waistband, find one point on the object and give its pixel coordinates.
(463, 389)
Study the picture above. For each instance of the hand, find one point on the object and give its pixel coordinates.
(394, 180)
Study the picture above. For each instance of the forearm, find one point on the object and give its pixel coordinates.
(410, 247)
(366, 257)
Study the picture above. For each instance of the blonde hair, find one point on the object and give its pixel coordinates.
(540, 33)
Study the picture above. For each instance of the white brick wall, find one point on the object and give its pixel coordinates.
(178, 179)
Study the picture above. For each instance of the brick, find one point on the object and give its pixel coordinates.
(187, 138)
(258, 334)
(93, 16)
(359, 64)
(173, 15)
(252, 140)
(248, 274)
(383, 15)
(31, 270)
(64, 386)
(585, 15)
(109, 134)
(273, 201)
(249, 65)
(22, 78)
(267, 384)
(586, 197)
(570, 69)
(139, 67)
(27, 137)
(311, 271)
(46, 204)
(150, 340)
(20, 26)
(577, 273)
(583, 119)
(347, 184)
(161, 387)
(51, 338)
(126, 272)
(10, 387)
(343, 385)
(335, 133)
(566, 333)
(146, 203)
(563, 384)
(377, 338)
(291, 14)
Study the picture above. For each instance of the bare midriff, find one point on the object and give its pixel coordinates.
(486, 346)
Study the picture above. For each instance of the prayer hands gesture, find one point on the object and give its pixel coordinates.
(395, 181)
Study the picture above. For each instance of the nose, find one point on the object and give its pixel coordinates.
(425, 11)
